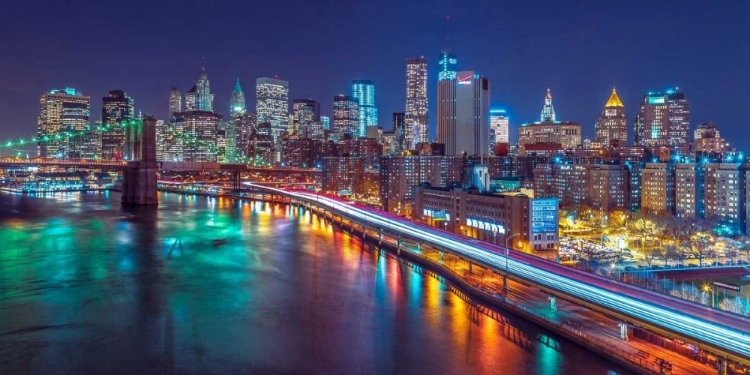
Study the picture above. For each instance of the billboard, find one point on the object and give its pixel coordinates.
(544, 215)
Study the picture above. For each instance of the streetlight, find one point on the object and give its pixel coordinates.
(507, 253)
(707, 289)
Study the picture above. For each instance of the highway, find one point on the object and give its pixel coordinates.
(698, 324)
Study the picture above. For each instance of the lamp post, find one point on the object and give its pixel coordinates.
(507, 253)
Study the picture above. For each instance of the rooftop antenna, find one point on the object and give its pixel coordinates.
(447, 31)
(203, 63)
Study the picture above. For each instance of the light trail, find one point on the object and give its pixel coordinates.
(730, 333)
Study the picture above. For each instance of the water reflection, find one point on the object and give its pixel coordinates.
(215, 285)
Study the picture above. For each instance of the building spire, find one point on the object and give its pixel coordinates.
(614, 100)
(548, 111)
(447, 32)
(237, 87)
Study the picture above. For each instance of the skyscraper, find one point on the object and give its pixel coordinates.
(116, 108)
(204, 97)
(345, 115)
(611, 124)
(175, 102)
(499, 124)
(237, 102)
(416, 120)
(463, 114)
(272, 104)
(305, 112)
(399, 132)
(60, 112)
(663, 120)
(326, 121)
(363, 91)
(548, 111)
(191, 99)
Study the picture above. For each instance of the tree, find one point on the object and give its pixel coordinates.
(701, 246)
(618, 219)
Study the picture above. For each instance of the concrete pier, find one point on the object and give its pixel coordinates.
(139, 180)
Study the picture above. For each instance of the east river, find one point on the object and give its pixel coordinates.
(219, 286)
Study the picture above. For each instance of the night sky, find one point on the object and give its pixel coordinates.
(579, 49)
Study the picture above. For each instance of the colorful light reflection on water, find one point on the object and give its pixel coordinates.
(222, 286)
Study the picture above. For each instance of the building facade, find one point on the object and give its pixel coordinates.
(463, 114)
(343, 175)
(175, 102)
(346, 115)
(416, 120)
(117, 107)
(62, 113)
(549, 132)
(272, 105)
(495, 218)
(203, 96)
(237, 104)
(199, 132)
(611, 126)
(499, 127)
(663, 120)
(363, 92)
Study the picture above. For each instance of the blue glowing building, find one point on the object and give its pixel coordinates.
(363, 91)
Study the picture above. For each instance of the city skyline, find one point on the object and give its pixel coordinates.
(578, 92)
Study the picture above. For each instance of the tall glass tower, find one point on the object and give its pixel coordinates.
(175, 102)
(363, 91)
(416, 102)
(204, 97)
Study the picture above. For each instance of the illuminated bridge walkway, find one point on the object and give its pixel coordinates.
(723, 334)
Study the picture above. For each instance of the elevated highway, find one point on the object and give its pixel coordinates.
(724, 334)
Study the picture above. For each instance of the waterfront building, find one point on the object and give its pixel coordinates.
(62, 113)
(343, 175)
(492, 217)
(117, 107)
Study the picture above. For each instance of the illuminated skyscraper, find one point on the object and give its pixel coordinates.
(416, 118)
(345, 115)
(62, 112)
(548, 111)
(663, 120)
(305, 112)
(191, 99)
(175, 102)
(611, 124)
(326, 121)
(363, 91)
(272, 104)
(205, 99)
(116, 108)
(463, 114)
(499, 124)
(237, 103)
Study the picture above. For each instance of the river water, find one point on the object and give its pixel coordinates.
(220, 286)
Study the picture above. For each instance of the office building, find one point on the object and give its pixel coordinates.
(725, 197)
(203, 96)
(272, 105)
(191, 99)
(416, 120)
(299, 152)
(399, 132)
(492, 217)
(237, 104)
(611, 126)
(117, 107)
(499, 127)
(399, 173)
(175, 102)
(62, 113)
(305, 112)
(363, 91)
(463, 114)
(663, 120)
(199, 132)
(549, 132)
(448, 64)
(707, 139)
(345, 115)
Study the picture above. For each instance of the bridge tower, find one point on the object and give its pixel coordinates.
(139, 179)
